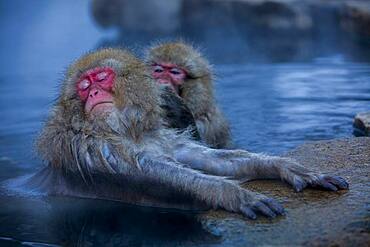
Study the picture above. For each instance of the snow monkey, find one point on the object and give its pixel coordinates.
(106, 138)
(183, 69)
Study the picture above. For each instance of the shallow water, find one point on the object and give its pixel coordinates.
(272, 108)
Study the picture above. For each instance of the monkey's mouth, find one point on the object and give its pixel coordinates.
(173, 86)
(102, 106)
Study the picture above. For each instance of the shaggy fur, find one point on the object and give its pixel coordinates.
(67, 118)
(196, 91)
(129, 155)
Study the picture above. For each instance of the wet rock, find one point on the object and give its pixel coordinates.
(355, 19)
(187, 15)
(361, 124)
(274, 15)
(161, 16)
(240, 30)
(288, 24)
(313, 217)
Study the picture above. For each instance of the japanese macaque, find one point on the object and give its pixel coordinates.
(106, 138)
(188, 74)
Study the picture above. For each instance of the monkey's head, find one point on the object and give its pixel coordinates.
(176, 63)
(108, 82)
(182, 68)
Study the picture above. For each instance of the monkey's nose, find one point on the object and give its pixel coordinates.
(93, 93)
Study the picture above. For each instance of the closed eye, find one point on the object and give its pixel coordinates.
(101, 76)
(158, 69)
(175, 71)
(84, 84)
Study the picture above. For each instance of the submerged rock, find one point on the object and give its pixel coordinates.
(361, 124)
(313, 217)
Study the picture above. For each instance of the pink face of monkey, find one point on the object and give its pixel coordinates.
(169, 74)
(95, 88)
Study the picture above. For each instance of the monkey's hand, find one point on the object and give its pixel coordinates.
(216, 192)
(301, 177)
(249, 203)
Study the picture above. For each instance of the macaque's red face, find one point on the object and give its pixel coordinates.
(169, 74)
(95, 88)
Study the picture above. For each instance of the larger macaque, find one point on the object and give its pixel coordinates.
(183, 69)
(106, 138)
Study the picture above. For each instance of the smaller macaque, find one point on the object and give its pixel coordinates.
(106, 138)
(183, 69)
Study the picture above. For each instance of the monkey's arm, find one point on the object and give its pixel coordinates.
(246, 166)
(167, 174)
(216, 192)
(214, 129)
(178, 115)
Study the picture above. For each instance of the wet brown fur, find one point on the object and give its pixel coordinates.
(197, 90)
(68, 119)
(129, 155)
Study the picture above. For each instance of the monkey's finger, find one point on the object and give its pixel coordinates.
(340, 182)
(324, 184)
(248, 212)
(274, 205)
(298, 184)
(262, 208)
